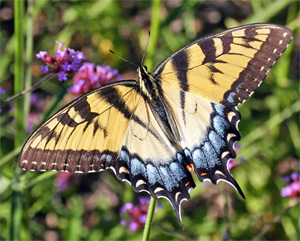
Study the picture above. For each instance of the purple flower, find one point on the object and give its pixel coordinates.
(292, 189)
(60, 44)
(144, 201)
(41, 55)
(65, 66)
(143, 218)
(64, 180)
(45, 69)
(126, 207)
(91, 76)
(62, 76)
(78, 57)
(123, 222)
(134, 216)
(65, 62)
(225, 236)
(134, 226)
(2, 91)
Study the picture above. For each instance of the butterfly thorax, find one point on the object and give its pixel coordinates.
(151, 90)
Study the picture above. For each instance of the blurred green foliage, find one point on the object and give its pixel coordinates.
(89, 209)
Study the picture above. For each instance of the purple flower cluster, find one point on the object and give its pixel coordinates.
(64, 180)
(65, 63)
(292, 189)
(135, 215)
(91, 76)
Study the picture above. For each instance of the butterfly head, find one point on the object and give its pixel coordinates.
(143, 73)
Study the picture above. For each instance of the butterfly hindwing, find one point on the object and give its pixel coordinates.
(226, 67)
(150, 162)
(208, 133)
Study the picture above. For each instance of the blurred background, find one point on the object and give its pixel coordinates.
(50, 206)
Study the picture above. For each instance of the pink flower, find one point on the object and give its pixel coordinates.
(134, 216)
(91, 76)
(64, 180)
(292, 189)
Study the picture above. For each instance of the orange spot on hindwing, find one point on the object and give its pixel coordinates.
(190, 167)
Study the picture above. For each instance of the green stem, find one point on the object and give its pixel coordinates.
(16, 215)
(15, 218)
(28, 59)
(149, 219)
(9, 156)
(39, 178)
(154, 30)
(32, 88)
(19, 71)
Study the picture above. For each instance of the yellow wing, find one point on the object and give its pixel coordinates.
(86, 135)
(226, 67)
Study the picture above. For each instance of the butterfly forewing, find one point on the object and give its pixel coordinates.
(85, 135)
(228, 66)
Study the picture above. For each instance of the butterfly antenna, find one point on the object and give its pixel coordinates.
(123, 59)
(146, 48)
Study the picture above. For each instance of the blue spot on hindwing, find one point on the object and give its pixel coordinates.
(167, 177)
(199, 159)
(220, 109)
(210, 155)
(216, 141)
(220, 125)
(153, 175)
(179, 157)
(177, 170)
(124, 156)
(230, 97)
(103, 157)
(108, 158)
(187, 153)
(137, 167)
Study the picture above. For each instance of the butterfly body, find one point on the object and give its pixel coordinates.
(155, 131)
(153, 95)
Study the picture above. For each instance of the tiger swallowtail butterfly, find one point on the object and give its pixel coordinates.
(152, 132)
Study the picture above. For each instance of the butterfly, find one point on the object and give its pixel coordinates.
(154, 131)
